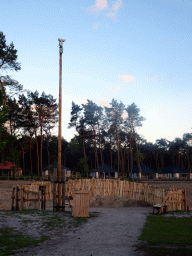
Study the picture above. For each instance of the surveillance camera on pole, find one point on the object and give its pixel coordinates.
(61, 192)
(61, 45)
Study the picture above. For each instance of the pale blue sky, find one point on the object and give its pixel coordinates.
(133, 51)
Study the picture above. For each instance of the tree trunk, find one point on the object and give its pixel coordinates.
(37, 151)
(111, 154)
(23, 159)
(31, 158)
(48, 157)
(188, 160)
(100, 146)
(95, 145)
(41, 151)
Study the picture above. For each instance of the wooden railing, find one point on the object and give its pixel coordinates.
(24, 198)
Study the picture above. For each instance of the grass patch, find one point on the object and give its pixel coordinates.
(54, 221)
(167, 236)
(178, 211)
(93, 214)
(180, 251)
(80, 220)
(11, 243)
(167, 230)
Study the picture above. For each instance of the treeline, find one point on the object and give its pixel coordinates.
(103, 134)
(109, 135)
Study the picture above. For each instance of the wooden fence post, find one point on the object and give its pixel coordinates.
(54, 188)
(21, 203)
(13, 198)
(63, 179)
(185, 200)
(16, 198)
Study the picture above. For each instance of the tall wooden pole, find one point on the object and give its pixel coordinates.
(60, 119)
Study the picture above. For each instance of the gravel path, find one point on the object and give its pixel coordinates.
(114, 232)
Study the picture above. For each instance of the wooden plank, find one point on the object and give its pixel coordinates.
(31, 192)
(30, 199)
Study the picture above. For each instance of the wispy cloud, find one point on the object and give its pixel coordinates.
(114, 10)
(103, 6)
(122, 82)
(127, 78)
(99, 5)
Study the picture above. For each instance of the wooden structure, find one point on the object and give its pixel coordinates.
(173, 198)
(49, 170)
(80, 204)
(175, 172)
(117, 188)
(146, 172)
(8, 168)
(105, 172)
(22, 198)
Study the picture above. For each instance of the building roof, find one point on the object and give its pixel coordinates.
(7, 165)
(104, 168)
(174, 169)
(55, 165)
(144, 169)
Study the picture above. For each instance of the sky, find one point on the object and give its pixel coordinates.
(133, 51)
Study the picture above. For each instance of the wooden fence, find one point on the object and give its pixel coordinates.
(25, 198)
(116, 188)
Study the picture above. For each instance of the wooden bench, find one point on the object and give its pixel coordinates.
(163, 207)
(171, 198)
(160, 208)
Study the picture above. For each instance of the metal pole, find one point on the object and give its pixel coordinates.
(60, 117)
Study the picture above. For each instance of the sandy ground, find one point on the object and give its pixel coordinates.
(114, 232)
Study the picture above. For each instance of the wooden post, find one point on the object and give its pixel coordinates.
(21, 204)
(45, 198)
(185, 200)
(60, 116)
(63, 190)
(54, 188)
(13, 198)
(16, 198)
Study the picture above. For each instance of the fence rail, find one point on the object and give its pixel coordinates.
(115, 188)
(25, 198)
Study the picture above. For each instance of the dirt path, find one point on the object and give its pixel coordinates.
(114, 232)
